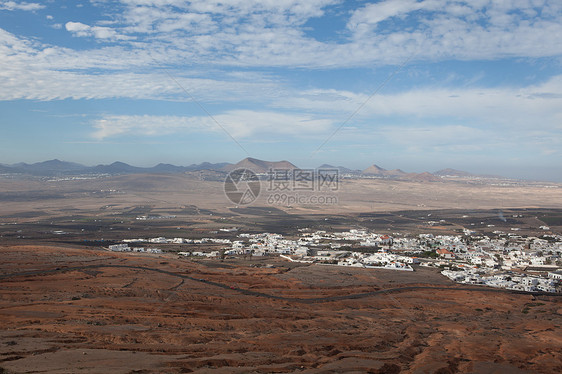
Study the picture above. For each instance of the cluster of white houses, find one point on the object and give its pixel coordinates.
(529, 283)
(126, 248)
(506, 261)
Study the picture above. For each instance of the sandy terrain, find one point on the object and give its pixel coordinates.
(90, 311)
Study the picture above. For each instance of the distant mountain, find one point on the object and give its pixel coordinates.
(167, 168)
(45, 168)
(56, 165)
(260, 166)
(216, 171)
(459, 173)
(341, 169)
(398, 174)
(123, 168)
(6, 169)
(452, 173)
(208, 166)
(59, 168)
(115, 168)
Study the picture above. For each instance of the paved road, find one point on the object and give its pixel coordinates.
(311, 300)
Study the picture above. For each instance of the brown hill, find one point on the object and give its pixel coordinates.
(377, 170)
(395, 173)
(374, 170)
(260, 166)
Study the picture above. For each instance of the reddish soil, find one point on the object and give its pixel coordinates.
(102, 318)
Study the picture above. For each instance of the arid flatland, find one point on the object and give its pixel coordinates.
(125, 312)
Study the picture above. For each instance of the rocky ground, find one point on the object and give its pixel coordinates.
(67, 310)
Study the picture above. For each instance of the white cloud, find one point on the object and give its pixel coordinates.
(303, 9)
(241, 124)
(39, 84)
(98, 32)
(436, 120)
(29, 70)
(455, 140)
(78, 27)
(436, 136)
(272, 33)
(535, 107)
(21, 5)
(372, 14)
(457, 29)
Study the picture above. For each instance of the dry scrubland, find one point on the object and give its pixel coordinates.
(124, 320)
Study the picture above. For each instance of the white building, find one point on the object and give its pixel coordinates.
(555, 274)
(119, 248)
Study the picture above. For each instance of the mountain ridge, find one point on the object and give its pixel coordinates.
(56, 167)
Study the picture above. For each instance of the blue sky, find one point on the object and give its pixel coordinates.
(473, 85)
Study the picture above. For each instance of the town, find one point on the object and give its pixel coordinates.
(510, 261)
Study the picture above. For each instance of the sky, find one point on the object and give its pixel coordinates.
(419, 85)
